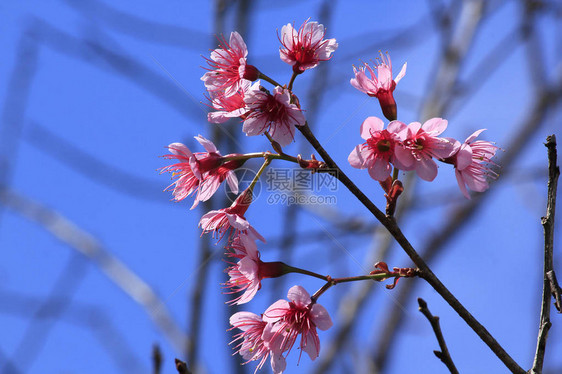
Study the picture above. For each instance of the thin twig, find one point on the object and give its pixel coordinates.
(548, 227)
(444, 355)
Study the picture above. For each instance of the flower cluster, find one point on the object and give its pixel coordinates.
(414, 146)
(276, 113)
(274, 333)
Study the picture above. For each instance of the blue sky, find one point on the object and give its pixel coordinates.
(106, 86)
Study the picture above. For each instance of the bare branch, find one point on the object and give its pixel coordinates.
(548, 227)
(181, 367)
(555, 288)
(156, 359)
(444, 355)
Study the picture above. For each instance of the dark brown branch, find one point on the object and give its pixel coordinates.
(443, 355)
(181, 367)
(548, 227)
(555, 289)
(156, 359)
(390, 224)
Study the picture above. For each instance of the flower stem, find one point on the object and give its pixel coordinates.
(290, 85)
(268, 79)
(395, 174)
(264, 166)
(292, 269)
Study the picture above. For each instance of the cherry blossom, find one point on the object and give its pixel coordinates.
(472, 164)
(201, 172)
(378, 152)
(421, 144)
(299, 316)
(228, 66)
(230, 219)
(246, 275)
(253, 346)
(379, 84)
(305, 48)
(228, 107)
(272, 112)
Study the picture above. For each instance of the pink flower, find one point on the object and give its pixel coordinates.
(378, 152)
(219, 222)
(420, 144)
(200, 172)
(228, 107)
(299, 316)
(274, 113)
(380, 84)
(305, 48)
(244, 275)
(472, 164)
(247, 273)
(228, 66)
(253, 346)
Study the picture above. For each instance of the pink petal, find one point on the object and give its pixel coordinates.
(207, 144)
(464, 157)
(426, 169)
(237, 44)
(254, 125)
(443, 147)
(218, 117)
(356, 159)
(397, 127)
(320, 317)
(462, 186)
(232, 182)
(413, 128)
(255, 235)
(401, 74)
(311, 348)
(179, 149)
(240, 320)
(405, 158)
(278, 363)
(435, 126)
(474, 135)
(237, 221)
(371, 124)
(476, 183)
(248, 294)
(380, 170)
(275, 311)
(283, 135)
(298, 295)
